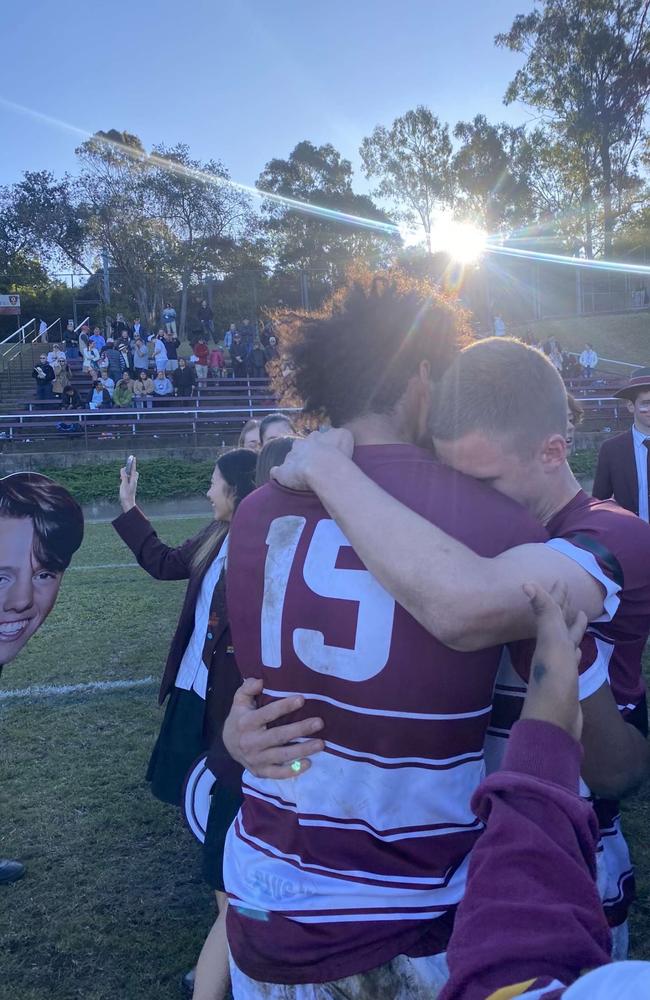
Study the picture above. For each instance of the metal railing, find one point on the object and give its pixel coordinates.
(113, 423)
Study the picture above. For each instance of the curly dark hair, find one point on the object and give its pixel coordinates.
(58, 518)
(358, 355)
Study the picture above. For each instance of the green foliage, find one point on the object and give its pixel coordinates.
(160, 479)
(587, 71)
(412, 163)
(583, 463)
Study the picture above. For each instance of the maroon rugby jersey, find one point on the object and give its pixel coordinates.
(363, 857)
(614, 546)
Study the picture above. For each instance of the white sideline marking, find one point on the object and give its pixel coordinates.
(106, 566)
(50, 690)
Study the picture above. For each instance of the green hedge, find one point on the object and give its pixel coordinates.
(583, 463)
(166, 478)
(160, 479)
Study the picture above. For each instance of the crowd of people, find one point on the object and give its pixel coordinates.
(127, 367)
(420, 594)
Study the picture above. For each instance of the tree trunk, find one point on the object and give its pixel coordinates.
(183, 315)
(608, 216)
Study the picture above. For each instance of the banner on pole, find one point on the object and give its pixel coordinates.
(10, 305)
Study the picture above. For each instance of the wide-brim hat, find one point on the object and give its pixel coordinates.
(640, 380)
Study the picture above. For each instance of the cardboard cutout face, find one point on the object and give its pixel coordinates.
(41, 527)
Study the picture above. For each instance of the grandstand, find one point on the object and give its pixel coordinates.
(215, 413)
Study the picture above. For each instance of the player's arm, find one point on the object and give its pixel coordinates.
(616, 758)
(465, 600)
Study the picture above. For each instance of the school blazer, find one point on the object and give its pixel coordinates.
(163, 562)
(616, 472)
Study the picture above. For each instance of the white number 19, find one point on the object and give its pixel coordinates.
(371, 649)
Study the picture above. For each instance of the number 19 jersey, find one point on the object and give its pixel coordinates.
(364, 856)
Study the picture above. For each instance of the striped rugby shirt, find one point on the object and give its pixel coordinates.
(614, 546)
(364, 856)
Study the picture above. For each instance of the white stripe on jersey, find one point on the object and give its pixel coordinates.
(279, 883)
(338, 788)
(403, 834)
(589, 563)
(382, 712)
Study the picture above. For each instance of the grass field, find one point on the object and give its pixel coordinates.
(622, 337)
(113, 906)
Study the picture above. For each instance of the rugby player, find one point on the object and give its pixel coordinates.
(348, 875)
(486, 425)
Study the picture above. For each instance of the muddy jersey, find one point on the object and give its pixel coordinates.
(364, 856)
(613, 545)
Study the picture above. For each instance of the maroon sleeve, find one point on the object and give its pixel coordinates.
(161, 561)
(531, 910)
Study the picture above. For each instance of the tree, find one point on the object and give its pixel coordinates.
(51, 222)
(204, 215)
(491, 169)
(412, 162)
(318, 238)
(587, 71)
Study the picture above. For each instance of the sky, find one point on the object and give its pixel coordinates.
(243, 81)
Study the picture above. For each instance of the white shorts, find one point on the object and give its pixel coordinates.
(402, 979)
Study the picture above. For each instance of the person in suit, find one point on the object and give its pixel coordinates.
(623, 468)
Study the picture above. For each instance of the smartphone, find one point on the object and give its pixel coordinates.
(129, 466)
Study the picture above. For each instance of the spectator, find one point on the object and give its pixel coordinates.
(44, 375)
(162, 386)
(201, 352)
(143, 390)
(271, 351)
(169, 318)
(238, 356)
(217, 362)
(171, 343)
(276, 425)
(123, 394)
(98, 397)
(158, 345)
(61, 376)
(70, 340)
(588, 360)
(257, 361)
(70, 399)
(267, 333)
(119, 326)
(207, 319)
(56, 355)
(126, 359)
(90, 356)
(623, 467)
(247, 332)
(140, 356)
(97, 340)
(272, 454)
(136, 328)
(184, 379)
(250, 435)
(229, 336)
(125, 340)
(499, 326)
(108, 383)
(114, 360)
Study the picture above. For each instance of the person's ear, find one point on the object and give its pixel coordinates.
(630, 406)
(554, 451)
